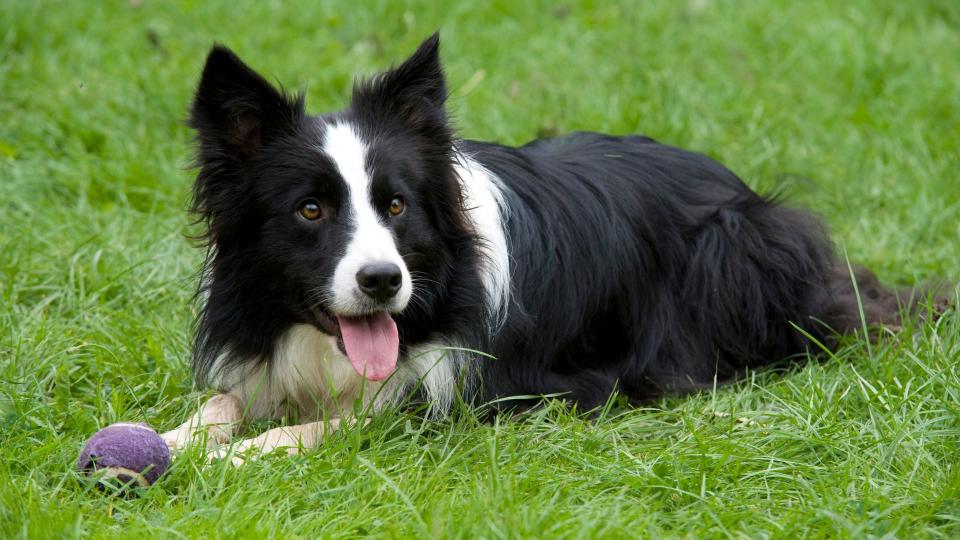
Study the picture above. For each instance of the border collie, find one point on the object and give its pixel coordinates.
(368, 256)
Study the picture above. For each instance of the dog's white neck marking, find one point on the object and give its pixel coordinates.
(372, 241)
(483, 200)
(306, 371)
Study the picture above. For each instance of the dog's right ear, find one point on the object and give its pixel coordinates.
(235, 110)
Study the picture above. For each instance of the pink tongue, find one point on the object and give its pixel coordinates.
(372, 344)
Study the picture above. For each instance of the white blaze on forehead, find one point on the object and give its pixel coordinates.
(371, 240)
(347, 150)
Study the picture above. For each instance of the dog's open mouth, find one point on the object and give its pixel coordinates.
(371, 342)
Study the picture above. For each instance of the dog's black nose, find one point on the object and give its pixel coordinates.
(380, 280)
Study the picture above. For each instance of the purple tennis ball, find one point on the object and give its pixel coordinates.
(133, 454)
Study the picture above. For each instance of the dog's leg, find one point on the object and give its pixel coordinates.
(289, 438)
(215, 421)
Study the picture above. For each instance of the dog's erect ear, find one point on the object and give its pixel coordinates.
(235, 110)
(415, 88)
(420, 77)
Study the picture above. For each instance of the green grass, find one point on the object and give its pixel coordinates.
(852, 107)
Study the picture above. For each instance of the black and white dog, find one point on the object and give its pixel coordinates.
(369, 255)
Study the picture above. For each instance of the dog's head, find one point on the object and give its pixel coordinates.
(347, 221)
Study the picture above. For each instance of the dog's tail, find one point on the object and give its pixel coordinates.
(858, 297)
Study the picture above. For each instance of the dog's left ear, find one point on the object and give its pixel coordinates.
(235, 110)
(416, 88)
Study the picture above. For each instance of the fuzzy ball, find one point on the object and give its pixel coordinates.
(132, 454)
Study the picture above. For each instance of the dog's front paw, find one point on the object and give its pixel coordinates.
(176, 440)
(232, 454)
(239, 453)
(285, 439)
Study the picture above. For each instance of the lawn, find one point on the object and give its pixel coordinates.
(851, 108)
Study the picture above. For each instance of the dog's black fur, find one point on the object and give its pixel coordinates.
(634, 266)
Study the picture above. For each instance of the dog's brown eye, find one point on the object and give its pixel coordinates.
(310, 210)
(396, 206)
